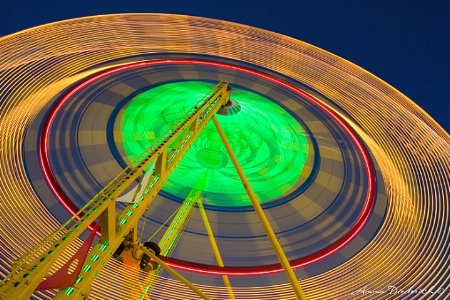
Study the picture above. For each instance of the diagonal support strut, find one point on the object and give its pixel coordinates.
(262, 217)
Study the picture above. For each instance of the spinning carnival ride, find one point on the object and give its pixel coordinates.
(351, 176)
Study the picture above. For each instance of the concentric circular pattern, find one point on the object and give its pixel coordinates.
(402, 243)
(268, 140)
(334, 199)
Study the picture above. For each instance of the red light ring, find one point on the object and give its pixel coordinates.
(203, 268)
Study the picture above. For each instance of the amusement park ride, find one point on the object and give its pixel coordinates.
(118, 230)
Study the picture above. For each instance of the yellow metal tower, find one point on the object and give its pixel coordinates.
(120, 228)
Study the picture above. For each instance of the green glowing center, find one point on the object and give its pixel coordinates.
(270, 144)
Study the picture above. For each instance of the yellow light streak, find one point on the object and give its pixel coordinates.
(412, 150)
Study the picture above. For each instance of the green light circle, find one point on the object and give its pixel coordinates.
(269, 143)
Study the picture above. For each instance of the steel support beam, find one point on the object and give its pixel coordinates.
(175, 274)
(215, 248)
(262, 216)
(31, 268)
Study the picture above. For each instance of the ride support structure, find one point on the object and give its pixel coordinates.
(116, 228)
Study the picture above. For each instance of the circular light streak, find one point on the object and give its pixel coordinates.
(209, 269)
(411, 149)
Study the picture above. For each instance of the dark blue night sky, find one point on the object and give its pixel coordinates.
(405, 43)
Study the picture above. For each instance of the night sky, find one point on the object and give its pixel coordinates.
(405, 43)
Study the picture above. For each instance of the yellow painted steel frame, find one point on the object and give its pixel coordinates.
(215, 248)
(178, 223)
(175, 274)
(262, 217)
(173, 233)
(29, 270)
